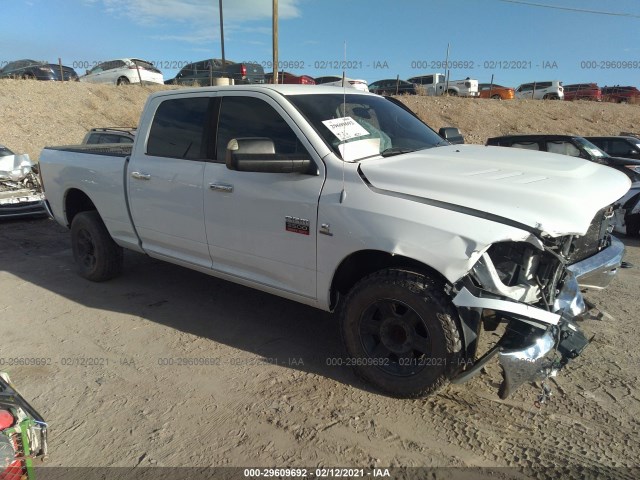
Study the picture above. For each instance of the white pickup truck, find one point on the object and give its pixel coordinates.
(437, 84)
(346, 201)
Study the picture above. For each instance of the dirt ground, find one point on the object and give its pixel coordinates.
(169, 367)
(118, 384)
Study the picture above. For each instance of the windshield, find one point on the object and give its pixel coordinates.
(360, 126)
(591, 148)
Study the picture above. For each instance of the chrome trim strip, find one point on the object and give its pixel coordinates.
(220, 187)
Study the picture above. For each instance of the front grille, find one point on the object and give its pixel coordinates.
(595, 239)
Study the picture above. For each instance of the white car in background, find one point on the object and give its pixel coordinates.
(334, 80)
(124, 71)
(549, 90)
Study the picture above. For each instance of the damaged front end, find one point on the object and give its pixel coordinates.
(533, 288)
(21, 192)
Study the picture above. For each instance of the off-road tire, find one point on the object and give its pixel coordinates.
(397, 373)
(97, 256)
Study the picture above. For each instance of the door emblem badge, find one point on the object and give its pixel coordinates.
(297, 225)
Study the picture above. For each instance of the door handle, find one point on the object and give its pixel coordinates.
(221, 187)
(141, 176)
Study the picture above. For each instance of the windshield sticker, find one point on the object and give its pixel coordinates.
(345, 128)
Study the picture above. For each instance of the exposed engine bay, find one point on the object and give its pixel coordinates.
(534, 288)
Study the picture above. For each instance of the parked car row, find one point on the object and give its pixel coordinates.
(125, 71)
(626, 210)
(37, 70)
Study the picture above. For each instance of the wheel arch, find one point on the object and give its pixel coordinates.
(362, 263)
(76, 201)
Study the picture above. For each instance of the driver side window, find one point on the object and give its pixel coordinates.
(246, 117)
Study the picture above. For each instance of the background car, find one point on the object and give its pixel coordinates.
(547, 90)
(32, 69)
(618, 146)
(203, 72)
(110, 135)
(497, 92)
(626, 220)
(393, 86)
(123, 72)
(582, 91)
(290, 78)
(335, 80)
(620, 94)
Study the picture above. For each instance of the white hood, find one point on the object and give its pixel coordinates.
(556, 194)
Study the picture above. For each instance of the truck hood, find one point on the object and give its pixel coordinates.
(555, 194)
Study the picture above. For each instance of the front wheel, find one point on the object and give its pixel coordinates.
(97, 256)
(496, 97)
(452, 93)
(400, 333)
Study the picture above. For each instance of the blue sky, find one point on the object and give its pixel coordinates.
(514, 41)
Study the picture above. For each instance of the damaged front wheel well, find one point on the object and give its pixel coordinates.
(76, 201)
(360, 264)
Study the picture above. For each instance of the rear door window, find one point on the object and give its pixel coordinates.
(527, 145)
(180, 129)
(563, 148)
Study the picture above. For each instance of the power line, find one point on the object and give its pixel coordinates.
(569, 9)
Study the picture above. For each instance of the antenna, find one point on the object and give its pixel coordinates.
(343, 193)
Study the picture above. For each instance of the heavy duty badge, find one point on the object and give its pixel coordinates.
(297, 225)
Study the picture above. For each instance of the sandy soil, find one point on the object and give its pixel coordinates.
(36, 114)
(168, 367)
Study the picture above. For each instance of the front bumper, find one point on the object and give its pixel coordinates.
(539, 342)
(597, 271)
(30, 208)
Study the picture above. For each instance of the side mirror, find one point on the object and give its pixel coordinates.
(451, 134)
(258, 155)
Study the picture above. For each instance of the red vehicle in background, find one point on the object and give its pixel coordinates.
(286, 77)
(618, 94)
(583, 91)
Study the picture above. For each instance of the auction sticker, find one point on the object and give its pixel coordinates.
(345, 128)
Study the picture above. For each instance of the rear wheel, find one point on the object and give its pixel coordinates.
(496, 97)
(452, 93)
(400, 333)
(123, 81)
(97, 256)
(551, 96)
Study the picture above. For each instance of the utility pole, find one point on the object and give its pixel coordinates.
(275, 41)
(224, 65)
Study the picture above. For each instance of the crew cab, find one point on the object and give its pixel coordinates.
(347, 202)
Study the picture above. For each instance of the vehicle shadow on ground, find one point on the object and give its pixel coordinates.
(264, 325)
